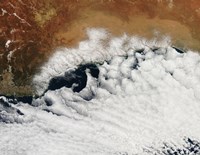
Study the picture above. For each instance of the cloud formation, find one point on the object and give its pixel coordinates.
(99, 47)
(146, 93)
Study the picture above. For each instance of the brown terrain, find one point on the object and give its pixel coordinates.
(31, 30)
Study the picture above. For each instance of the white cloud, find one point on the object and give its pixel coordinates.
(126, 110)
(100, 46)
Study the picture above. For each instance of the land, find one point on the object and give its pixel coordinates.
(30, 31)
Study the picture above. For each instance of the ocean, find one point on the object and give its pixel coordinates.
(108, 96)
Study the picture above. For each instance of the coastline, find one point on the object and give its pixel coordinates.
(43, 27)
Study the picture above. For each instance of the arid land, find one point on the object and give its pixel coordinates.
(30, 31)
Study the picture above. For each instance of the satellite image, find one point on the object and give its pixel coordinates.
(100, 77)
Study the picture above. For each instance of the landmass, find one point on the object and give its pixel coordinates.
(30, 31)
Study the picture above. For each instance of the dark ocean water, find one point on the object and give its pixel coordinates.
(135, 98)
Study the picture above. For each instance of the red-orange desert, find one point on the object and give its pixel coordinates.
(32, 30)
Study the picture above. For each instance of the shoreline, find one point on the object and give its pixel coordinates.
(30, 33)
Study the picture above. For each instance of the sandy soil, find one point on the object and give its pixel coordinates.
(30, 31)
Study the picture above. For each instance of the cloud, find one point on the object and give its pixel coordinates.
(146, 94)
(100, 47)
